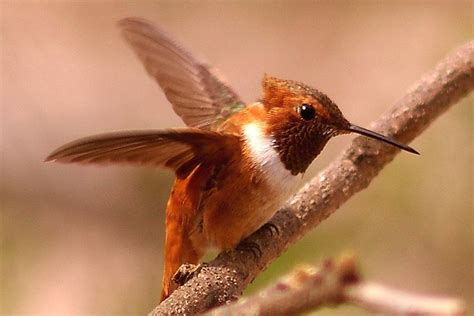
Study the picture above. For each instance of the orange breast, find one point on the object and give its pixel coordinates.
(235, 208)
(218, 204)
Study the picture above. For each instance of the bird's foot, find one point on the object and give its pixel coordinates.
(186, 272)
(249, 246)
(271, 228)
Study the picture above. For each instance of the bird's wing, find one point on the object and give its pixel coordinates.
(198, 96)
(179, 149)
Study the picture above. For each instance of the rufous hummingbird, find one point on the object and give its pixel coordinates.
(235, 164)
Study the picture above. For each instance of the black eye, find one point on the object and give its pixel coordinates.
(306, 111)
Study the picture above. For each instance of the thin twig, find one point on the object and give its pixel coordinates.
(304, 289)
(336, 282)
(225, 277)
(381, 299)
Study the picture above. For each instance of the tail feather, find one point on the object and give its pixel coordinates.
(178, 250)
(180, 220)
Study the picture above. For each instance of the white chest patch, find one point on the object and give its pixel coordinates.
(266, 158)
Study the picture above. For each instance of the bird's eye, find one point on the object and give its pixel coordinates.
(306, 111)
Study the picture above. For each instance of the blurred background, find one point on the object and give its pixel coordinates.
(89, 240)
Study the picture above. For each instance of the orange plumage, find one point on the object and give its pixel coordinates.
(235, 164)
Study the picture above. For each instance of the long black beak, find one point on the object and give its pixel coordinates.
(374, 135)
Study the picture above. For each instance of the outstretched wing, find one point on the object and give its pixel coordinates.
(198, 96)
(179, 149)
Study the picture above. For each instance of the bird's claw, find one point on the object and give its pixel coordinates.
(250, 246)
(186, 272)
(271, 228)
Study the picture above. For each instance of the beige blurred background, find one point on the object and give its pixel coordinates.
(88, 240)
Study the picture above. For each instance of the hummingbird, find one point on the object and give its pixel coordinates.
(235, 163)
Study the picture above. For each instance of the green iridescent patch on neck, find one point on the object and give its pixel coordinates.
(227, 112)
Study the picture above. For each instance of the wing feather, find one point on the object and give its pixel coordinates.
(198, 96)
(179, 149)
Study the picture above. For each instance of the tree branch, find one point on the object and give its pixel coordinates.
(335, 283)
(381, 299)
(225, 277)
